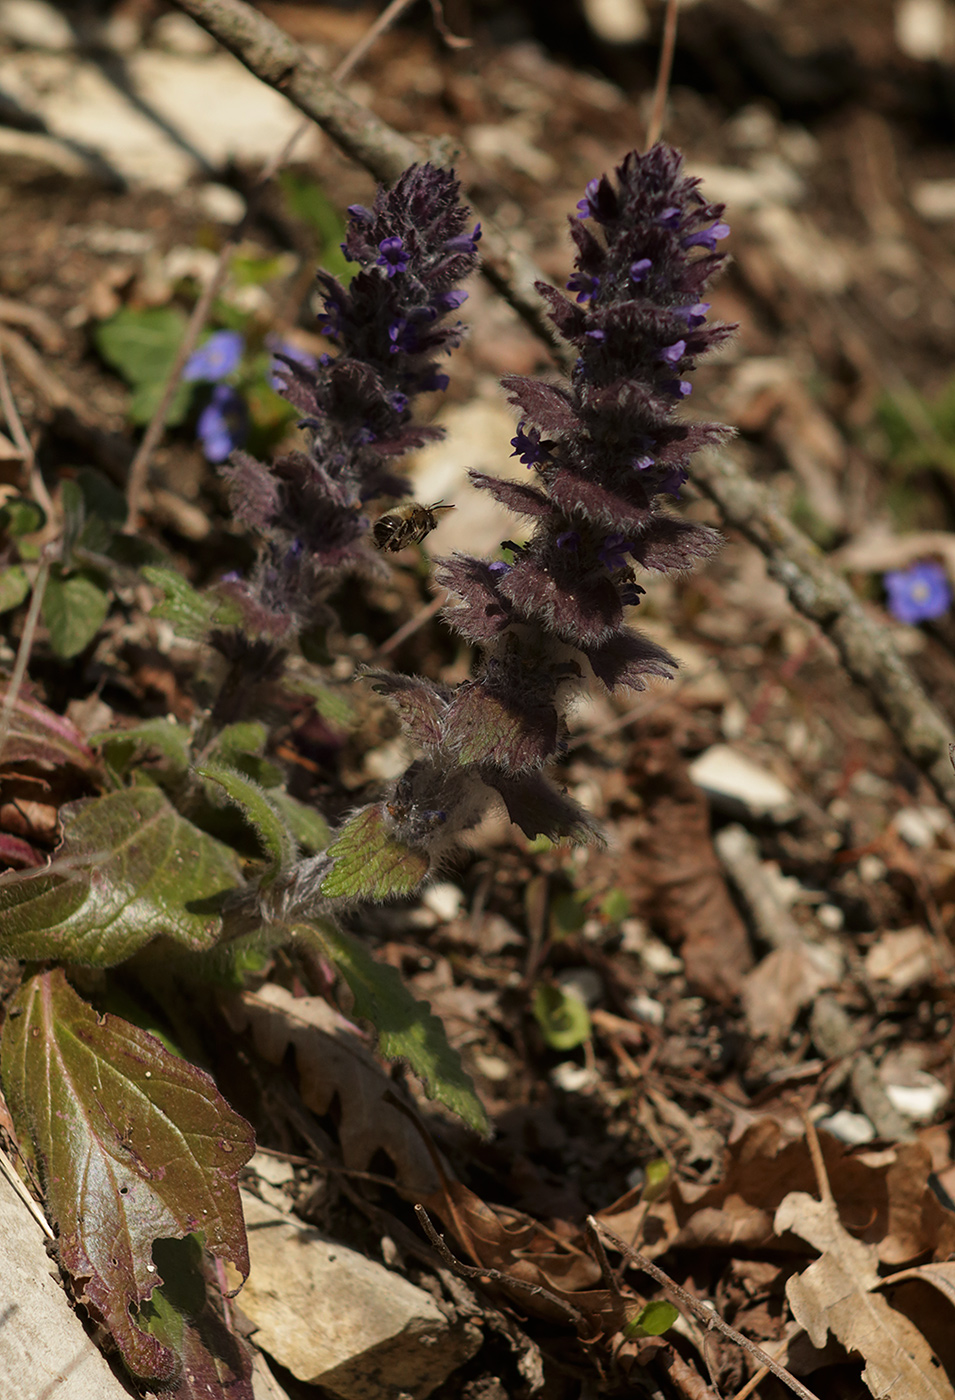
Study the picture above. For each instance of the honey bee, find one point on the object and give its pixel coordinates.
(407, 524)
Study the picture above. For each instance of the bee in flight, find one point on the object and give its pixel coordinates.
(407, 524)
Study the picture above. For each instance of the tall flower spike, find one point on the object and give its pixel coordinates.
(389, 327)
(604, 448)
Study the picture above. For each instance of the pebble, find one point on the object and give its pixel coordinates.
(733, 781)
(919, 826)
(645, 1008)
(583, 983)
(918, 1102)
(573, 1078)
(853, 1128)
(444, 899)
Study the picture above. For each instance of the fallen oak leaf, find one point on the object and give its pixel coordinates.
(835, 1295)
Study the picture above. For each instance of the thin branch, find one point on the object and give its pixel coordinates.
(17, 431)
(706, 1315)
(664, 69)
(24, 649)
(414, 624)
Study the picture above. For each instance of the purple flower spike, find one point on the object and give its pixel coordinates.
(216, 359)
(639, 269)
(693, 315)
(707, 237)
(528, 448)
(584, 285)
(393, 256)
(223, 423)
(919, 593)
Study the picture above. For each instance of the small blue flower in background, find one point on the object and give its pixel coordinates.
(918, 593)
(291, 352)
(216, 359)
(223, 423)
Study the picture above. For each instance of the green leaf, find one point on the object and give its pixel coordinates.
(213, 1361)
(308, 826)
(563, 1018)
(652, 1320)
(615, 906)
(244, 737)
(14, 587)
(189, 611)
(276, 839)
(168, 736)
(370, 863)
(19, 515)
(131, 1144)
(407, 1029)
(142, 345)
(568, 913)
(130, 868)
(658, 1177)
(74, 609)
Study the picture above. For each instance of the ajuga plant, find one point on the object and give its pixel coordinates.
(132, 1141)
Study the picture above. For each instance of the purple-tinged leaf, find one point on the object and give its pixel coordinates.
(37, 735)
(582, 611)
(545, 405)
(253, 491)
(483, 728)
(130, 868)
(131, 1143)
(628, 658)
(605, 506)
(17, 853)
(673, 543)
(515, 495)
(482, 613)
(539, 809)
(569, 319)
(369, 863)
(420, 703)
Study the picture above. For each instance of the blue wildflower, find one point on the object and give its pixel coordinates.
(223, 423)
(216, 359)
(393, 255)
(585, 285)
(291, 352)
(919, 593)
(639, 269)
(707, 237)
(587, 206)
(528, 448)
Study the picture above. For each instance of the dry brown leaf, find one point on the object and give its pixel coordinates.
(785, 981)
(334, 1064)
(834, 1295)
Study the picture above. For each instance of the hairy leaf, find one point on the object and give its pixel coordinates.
(74, 609)
(131, 1143)
(261, 813)
(370, 863)
(130, 868)
(120, 746)
(190, 612)
(37, 735)
(308, 826)
(406, 1028)
(14, 587)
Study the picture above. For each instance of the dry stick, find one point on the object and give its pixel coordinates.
(409, 628)
(278, 60)
(706, 1315)
(139, 467)
(25, 647)
(865, 646)
(15, 424)
(658, 111)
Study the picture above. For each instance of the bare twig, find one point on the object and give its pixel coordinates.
(409, 628)
(14, 422)
(494, 1275)
(664, 69)
(708, 1316)
(25, 647)
(8, 1170)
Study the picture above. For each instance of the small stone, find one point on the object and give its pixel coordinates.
(920, 28)
(583, 983)
(919, 1101)
(853, 1128)
(919, 826)
(831, 917)
(573, 1078)
(733, 781)
(644, 1008)
(337, 1319)
(217, 201)
(901, 957)
(872, 869)
(445, 900)
(492, 1067)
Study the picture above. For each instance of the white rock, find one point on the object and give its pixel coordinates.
(729, 778)
(853, 1128)
(920, 27)
(339, 1320)
(583, 983)
(444, 899)
(645, 1008)
(219, 202)
(617, 21)
(919, 826)
(831, 917)
(919, 1101)
(934, 200)
(36, 25)
(872, 869)
(573, 1078)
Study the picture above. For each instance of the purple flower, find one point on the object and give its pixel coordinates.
(614, 550)
(393, 255)
(919, 593)
(528, 448)
(694, 315)
(465, 242)
(216, 359)
(670, 218)
(223, 423)
(587, 206)
(639, 269)
(570, 539)
(679, 388)
(671, 353)
(642, 463)
(584, 285)
(707, 237)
